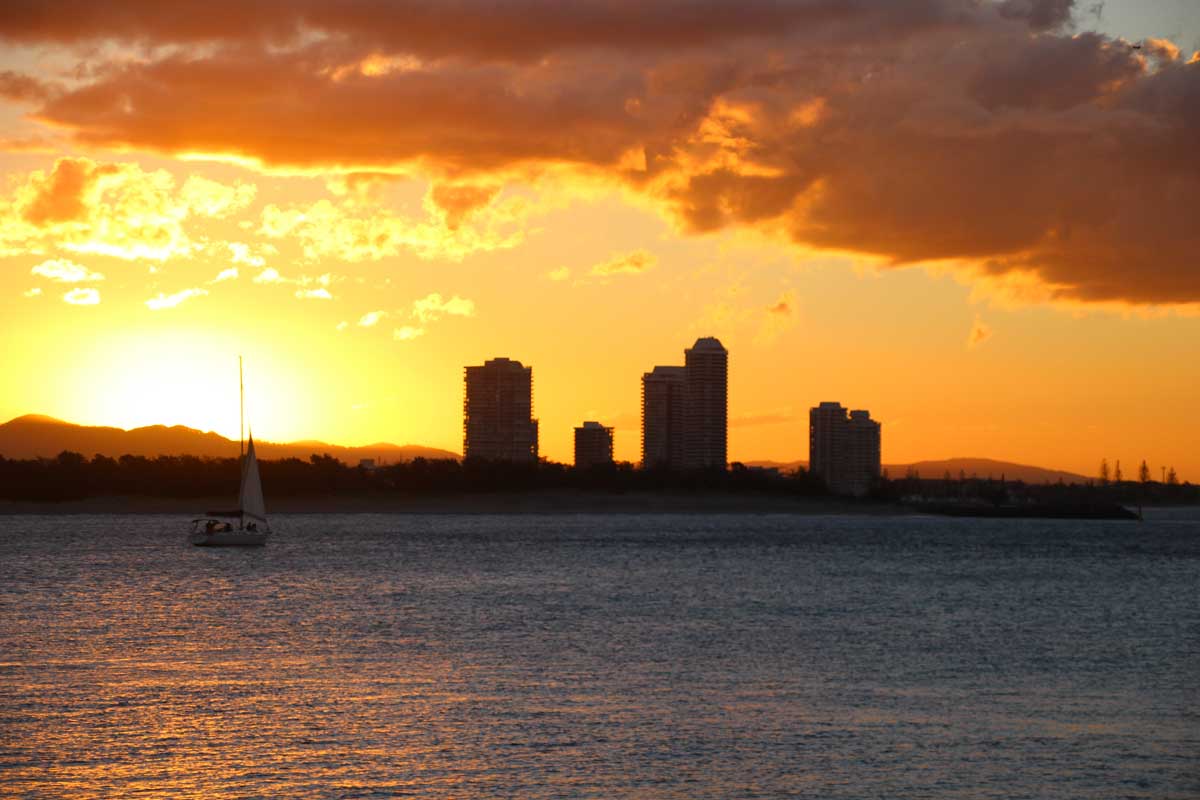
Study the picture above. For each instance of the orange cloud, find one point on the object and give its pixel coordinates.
(784, 306)
(112, 209)
(980, 333)
(59, 196)
(456, 203)
(634, 263)
(779, 317)
(910, 130)
(356, 231)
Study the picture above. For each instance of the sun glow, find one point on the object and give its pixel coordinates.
(183, 377)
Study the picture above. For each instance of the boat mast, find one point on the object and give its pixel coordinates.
(241, 414)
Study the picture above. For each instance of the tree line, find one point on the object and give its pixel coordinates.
(71, 476)
(1001, 491)
(1106, 477)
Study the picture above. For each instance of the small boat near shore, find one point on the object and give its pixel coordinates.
(245, 526)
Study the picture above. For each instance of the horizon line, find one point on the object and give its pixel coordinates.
(748, 461)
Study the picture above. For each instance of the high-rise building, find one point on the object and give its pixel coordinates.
(843, 451)
(593, 445)
(706, 412)
(663, 418)
(498, 423)
(685, 416)
(826, 437)
(862, 453)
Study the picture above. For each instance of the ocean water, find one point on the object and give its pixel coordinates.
(622, 656)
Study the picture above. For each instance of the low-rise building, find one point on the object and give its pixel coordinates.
(593, 445)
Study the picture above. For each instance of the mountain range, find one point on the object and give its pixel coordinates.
(34, 436)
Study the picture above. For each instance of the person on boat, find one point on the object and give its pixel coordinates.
(253, 526)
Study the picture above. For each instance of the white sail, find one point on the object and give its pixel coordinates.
(252, 506)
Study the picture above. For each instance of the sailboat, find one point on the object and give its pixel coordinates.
(217, 529)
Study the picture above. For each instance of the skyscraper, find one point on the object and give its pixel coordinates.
(685, 414)
(498, 421)
(663, 417)
(862, 453)
(706, 413)
(826, 438)
(593, 445)
(844, 451)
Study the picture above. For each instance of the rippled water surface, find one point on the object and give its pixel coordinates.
(624, 656)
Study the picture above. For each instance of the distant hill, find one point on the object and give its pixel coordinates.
(973, 467)
(986, 468)
(35, 436)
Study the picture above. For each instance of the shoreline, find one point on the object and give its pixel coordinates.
(542, 502)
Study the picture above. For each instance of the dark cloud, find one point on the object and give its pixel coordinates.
(1050, 72)
(22, 88)
(514, 30)
(1040, 14)
(287, 108)
(912, 130)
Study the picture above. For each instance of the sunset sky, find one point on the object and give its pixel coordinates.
(980, 220)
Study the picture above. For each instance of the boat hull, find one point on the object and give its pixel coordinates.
(234, 538)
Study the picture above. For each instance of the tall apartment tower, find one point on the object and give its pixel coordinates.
(593, 445)
(862, 453)
(663, 417)
(706, 411)
(826, 438)
(685, 414)
(844, 450)
(498, 422)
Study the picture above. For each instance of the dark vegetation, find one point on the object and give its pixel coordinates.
(71, 476)
(948, 492)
